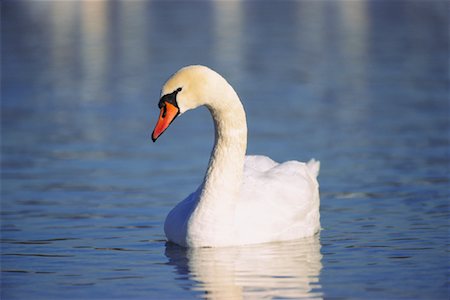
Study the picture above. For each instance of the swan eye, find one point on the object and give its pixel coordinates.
(169, 98)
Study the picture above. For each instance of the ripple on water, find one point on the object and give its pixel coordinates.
(360, 85)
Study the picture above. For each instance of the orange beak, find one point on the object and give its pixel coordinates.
(168, 113)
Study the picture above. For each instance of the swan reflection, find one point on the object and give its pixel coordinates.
(274, 270)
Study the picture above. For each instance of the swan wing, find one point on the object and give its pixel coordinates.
(278, 203)
(176, 223)
(259, 163)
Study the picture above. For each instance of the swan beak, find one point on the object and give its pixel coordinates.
(168, 113)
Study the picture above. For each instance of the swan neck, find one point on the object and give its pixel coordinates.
(212, 219)
(225, 170)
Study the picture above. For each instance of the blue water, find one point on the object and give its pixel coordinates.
(363, 86)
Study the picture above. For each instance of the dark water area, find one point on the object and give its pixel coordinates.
(363, 86)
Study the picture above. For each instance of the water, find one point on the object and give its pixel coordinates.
(362, 86)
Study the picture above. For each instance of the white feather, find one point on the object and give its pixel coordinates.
(242, 199)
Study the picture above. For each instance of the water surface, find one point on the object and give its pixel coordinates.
(361, 86)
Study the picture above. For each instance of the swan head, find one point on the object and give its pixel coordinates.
(187, 89)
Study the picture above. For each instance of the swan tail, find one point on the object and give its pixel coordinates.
(314, 167)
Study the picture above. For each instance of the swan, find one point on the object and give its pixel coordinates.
(242, 199)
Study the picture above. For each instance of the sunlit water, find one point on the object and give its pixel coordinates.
(361, 86)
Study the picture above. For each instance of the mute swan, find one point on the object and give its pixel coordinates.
(242, 199)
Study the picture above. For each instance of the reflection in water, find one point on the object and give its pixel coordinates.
(133, 48)
(354, 23)
(94, 26)
(62, 57)
(228, 35)
(275, 270)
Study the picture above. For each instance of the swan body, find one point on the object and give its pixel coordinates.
(242, 199)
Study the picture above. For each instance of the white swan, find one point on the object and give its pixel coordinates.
(243, 199)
